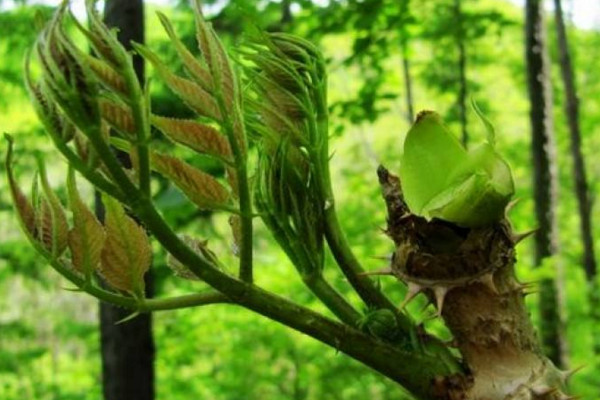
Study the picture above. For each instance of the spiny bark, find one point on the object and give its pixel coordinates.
(127, 348)
(579, 172)
(544, 176)
(468, 274)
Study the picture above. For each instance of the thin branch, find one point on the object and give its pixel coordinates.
(239, 154)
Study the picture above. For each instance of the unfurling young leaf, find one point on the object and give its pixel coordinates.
(86, 238)
(51, 221)
(106, 74)
(440, 179)
(202, 189)
(118, 116)
(197, 98)
(66, 79)
(126, 255)
(25, 211)
(199, 137)
(195, 67)
(215, 56)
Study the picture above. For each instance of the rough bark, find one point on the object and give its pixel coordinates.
(579, 172)
(468, 274)
(462, 72)
(544, 176)
(127, 348)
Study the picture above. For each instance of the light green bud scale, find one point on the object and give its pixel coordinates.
(441, 179)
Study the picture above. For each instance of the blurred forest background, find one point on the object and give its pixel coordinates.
(387, 60)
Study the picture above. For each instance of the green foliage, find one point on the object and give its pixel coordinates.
(223, 339)
(440, 179)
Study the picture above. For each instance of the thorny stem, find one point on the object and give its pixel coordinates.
(415, 371)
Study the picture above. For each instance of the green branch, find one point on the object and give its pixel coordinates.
(312, 275)
(238, 146)
(334, 234)
(413, 370)
(132, 303)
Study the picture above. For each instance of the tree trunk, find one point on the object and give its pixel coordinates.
(410, 112)
(462, 72)
(579, 174)
(544, 176)
(286, 13)
(468, 274)
(127, 348)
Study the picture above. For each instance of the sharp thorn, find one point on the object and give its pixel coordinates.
(72, 289)
(384, 258)
(413, 290)
(529, 292)
(543, 390)
(383, 230)
(384, 271)
(514, 285)
(566, 375)
(519, 237)
(567, 397)
(511, 205)
(440, 296)
(487, 280)
(128, 318)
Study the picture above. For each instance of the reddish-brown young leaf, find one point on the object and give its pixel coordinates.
(51, 221)
(201, 188)
(118, 116)
(199, 137)
(126, 255)
(194, 66)
(197, 98)
(86, 238)
(23, 207)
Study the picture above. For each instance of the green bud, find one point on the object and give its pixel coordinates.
(440, 179)
(381, 323)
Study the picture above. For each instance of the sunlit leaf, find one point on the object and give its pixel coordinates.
(126, 255)
(194, 66)
(199, 137)
(441, 179)
(86, 238)
(118, 116)
(202, 189)
(190, 92)
(25, 211)
(52, 226)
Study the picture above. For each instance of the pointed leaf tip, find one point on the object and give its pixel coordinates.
(24, 208)
(441, 179)
(491, 132)
(52, 226)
